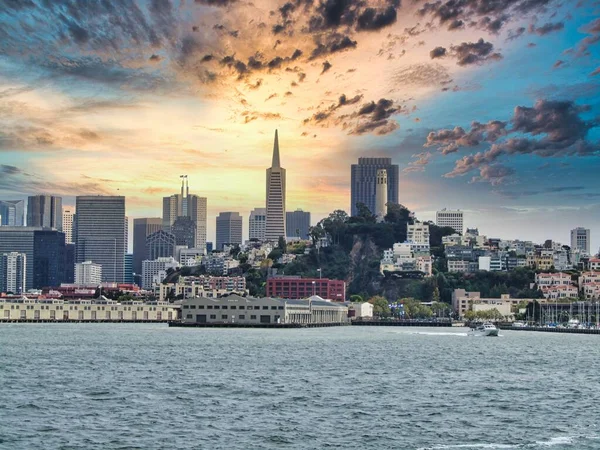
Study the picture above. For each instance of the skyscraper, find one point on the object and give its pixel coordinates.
(12, 213)
(159, 244)
(12, 272)
(381, 191)
(67, 224)
(101, 234)
(186, 205)
(450, 218)
(88, 273)
(257, 224)
(363, 184)
(275, 224)
(229, 229)
(46, 256)
(184, 230)
(142, 228)
(45, 211)
(196, 210)
(580, 240)
(297, 224)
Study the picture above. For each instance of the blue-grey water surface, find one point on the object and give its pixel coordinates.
(120, 386)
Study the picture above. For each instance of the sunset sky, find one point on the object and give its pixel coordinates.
(492, 107)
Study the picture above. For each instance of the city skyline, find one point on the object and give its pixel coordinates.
(198, 88)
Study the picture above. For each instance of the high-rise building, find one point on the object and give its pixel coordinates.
(159, 244)
(184, 230)
(67, 224)
(88, 273)
(275, 225)
(257, 224)
(196, 210)
(381, 191)
(229, 229)
(45, 252)
(45, 211)
(128, 268)
(101, 234)
(297, 224)
(363, 182)
(142, 228)
(186, 205)
(12, 213)
(12, 272)
(580, 240)
(450, 218)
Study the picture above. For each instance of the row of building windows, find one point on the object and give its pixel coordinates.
(230, 307)
(223, 317)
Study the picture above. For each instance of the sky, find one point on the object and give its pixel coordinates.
(492, 107)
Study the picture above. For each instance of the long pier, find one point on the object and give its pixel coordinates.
(80, 321)
(552, 330)
(175, 323)
(401, 323)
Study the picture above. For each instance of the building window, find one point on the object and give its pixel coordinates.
(243, 307)
(213, 316)
(200, 306)
(192, 306)
(252, 317)
(242, 316)
(274, 307)
(189, 316)
(224, 307)
(233, 307)
(265, 307)
(209, 307)
(217, 306)
(224, 316)
(280, 307)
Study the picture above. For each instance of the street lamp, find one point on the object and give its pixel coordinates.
(320, 274)
(314, 287)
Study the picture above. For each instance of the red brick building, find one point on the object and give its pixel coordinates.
(294, 287)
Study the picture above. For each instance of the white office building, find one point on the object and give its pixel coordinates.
(153, 272)
(67, 223)
(580, 240)
(12, 272)
(88, 273)
(257, 224)
(450, 218)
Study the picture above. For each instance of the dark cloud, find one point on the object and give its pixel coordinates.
(155, 58)
(595, 72)
(559, 63)
(326, 66)
(437, 52)
(321, 116)
(332, 43)
(548, 129)
(495, 174)
(250, 116)
(516, 33)
(478, 52)
(490, 15)
(449, 141)
(546, 28)
(9, 170)
(371, 19)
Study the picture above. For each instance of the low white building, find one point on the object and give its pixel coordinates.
(203, 286)
(418, 233)
(558, 291)
(463, 301)
(550, 279)
(234, 309)
(462, 266)
(86, 310)
(360, 310)
(88, 273)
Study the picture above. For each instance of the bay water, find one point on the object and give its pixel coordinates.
(146, 386)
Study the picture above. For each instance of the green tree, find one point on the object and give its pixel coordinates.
(356, 298)
(281, 244)
(381, 308)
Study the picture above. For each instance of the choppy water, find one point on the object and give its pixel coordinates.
(98, 386)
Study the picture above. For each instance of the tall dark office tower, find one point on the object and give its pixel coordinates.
(159, 244)
(45, 211)
(275, 205)
(363, 182)
(229, 229)
(49, 259)
(128, 276)
(186, 205)
(45, 251)
(297, 224)
(184, 230)
(12, 213)
(101, 234)
(142, 228)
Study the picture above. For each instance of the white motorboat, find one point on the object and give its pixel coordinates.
(484, 329)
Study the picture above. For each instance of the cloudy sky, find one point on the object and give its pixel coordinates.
(488, 106)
